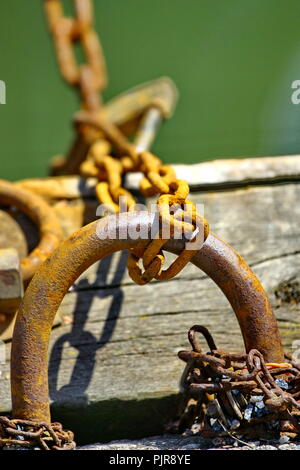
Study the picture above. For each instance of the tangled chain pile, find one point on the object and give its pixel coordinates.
(18, 432)
(237, 393)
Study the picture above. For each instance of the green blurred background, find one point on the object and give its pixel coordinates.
(232, 60)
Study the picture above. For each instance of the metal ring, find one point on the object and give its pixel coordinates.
(29, 362)
(42, 215)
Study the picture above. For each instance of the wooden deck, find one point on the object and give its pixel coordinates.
(113, 366)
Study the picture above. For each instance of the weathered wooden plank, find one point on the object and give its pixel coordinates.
(116, 363)
(233, 172)
(261, 223)
(200, 176)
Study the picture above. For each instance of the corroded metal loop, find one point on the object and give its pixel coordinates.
(157, 176)
(111, 198)
(204, 331)
(109, 193)
(153, 268)
(29, 363)
(42, 215)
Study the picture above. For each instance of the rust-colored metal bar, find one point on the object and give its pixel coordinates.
(29, 363)
(42, 215)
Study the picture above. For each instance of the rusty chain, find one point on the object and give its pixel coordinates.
(43, 215)
(173, 193)
(102, 151)
(25, 433)
(96, 138)
(221, 390)
(90, 78)
(158, 178)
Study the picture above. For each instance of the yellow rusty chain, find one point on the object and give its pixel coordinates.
(174, 192)
(158, 179)
(96, 136)
(109, 171)
(90, 78)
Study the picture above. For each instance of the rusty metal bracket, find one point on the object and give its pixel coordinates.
(29, 362)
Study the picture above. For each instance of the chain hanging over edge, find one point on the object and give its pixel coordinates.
(158, 178)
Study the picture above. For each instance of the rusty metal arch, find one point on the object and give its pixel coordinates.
(29, 363)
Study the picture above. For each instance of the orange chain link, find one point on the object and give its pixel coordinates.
(158, 179)
(173, 193)
(90, 77)
(98, 136)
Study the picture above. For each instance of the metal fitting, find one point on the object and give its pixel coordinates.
(29, 362)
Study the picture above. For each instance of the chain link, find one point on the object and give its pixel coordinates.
(26, 433)
(158, 178)
(218, 387)
(190, 221)
(97, 137)
(90, 78)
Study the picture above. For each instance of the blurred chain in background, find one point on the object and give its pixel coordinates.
(97, 137)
